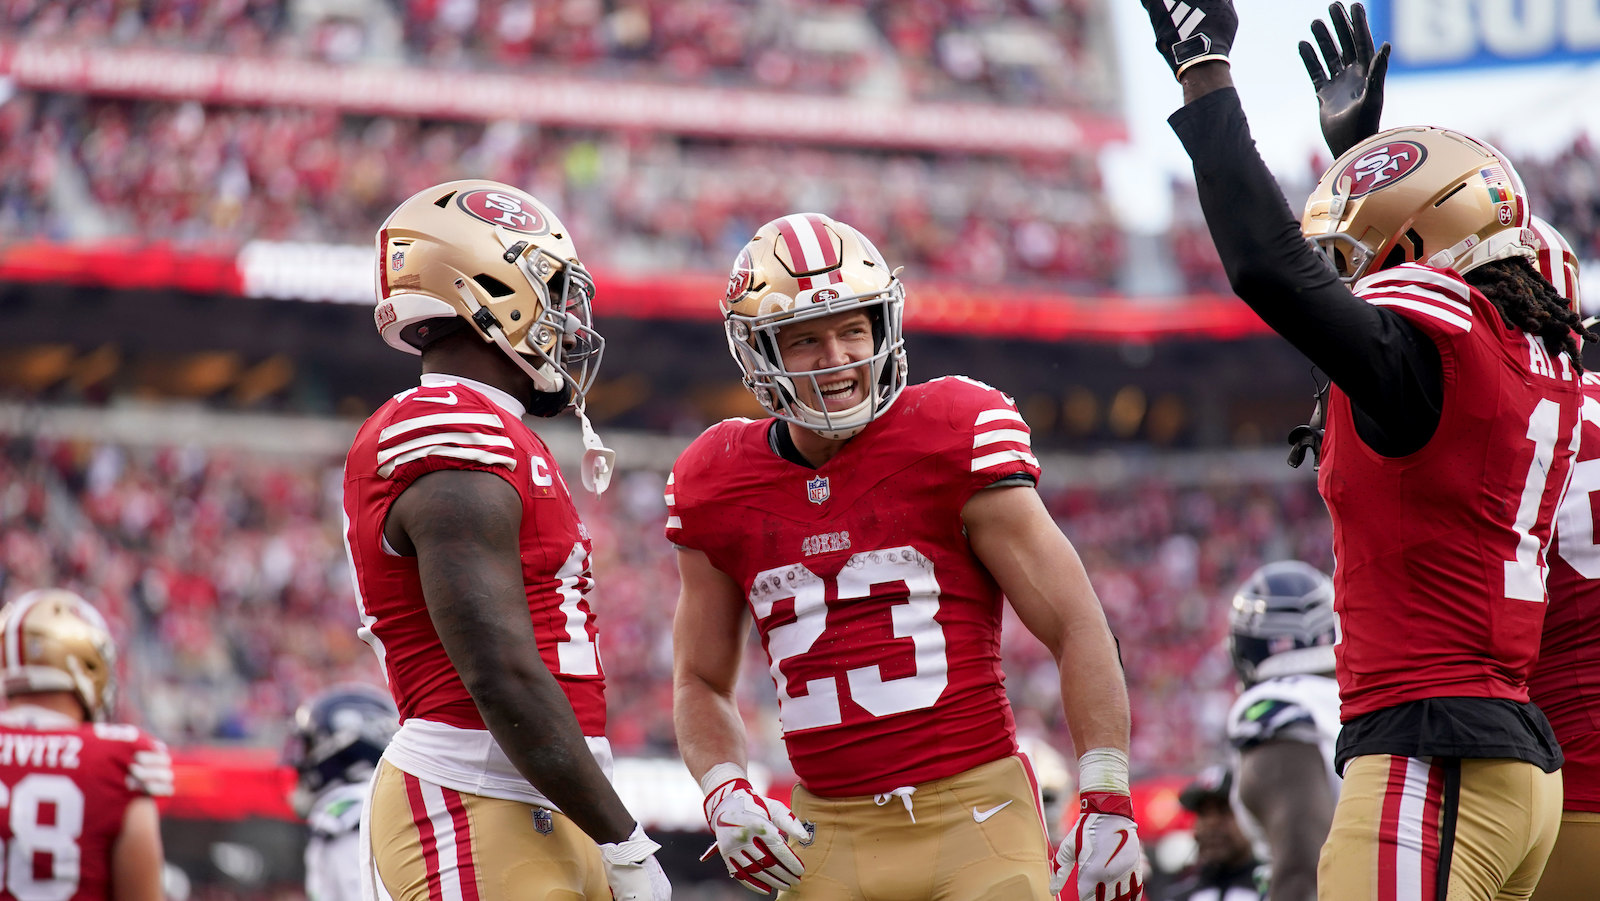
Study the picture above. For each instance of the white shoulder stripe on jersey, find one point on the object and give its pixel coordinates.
(671, 499)
(433, 419)
(988, 416)
(1010, 456)
(1411, 274)
(1428, 309)
(458, 453)
(1418, 292)
(1020, 436)
(674, 522)
(442, 438)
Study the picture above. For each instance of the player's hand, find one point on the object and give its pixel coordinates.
(632, 870)
(1350, 91)
(1192, 31)
(1105, 846)
(750, 834)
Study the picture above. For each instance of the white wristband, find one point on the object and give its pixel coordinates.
(1103, 770)
(722, 772)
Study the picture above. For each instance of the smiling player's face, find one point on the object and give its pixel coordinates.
(827, 343)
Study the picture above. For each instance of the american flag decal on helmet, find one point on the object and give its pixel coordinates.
(817, 489)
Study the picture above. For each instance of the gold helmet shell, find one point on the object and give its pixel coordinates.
(807, 266)
(1418, 195)
(493, 258)
(54, 640)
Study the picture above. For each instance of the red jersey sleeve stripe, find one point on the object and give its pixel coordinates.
(433, 420)
(1422, 293)
(1424, 308)
(996, 436)
(476, 439)
(1002, 414)
(459, 453)
(1010, 456)
(1411, 275)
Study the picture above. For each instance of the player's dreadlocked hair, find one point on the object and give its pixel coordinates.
(1527, 302)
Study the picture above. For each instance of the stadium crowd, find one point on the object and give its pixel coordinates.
(78, 168)
(1016, 51)
(224, 576)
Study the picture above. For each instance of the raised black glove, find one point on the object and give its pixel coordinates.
(1192, 31)
(1350, 92)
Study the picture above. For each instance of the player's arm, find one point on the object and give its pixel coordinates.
(708, 632)
(1388, 368)
(136, 856)
(1284, 783)
(1040, 572)
(463, 527)
(1038, 569)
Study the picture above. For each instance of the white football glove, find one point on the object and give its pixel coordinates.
(632, 870)
(1105, 846)
(750, 834)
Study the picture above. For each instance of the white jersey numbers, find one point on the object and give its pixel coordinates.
(912, 617)
(43, 860)
(1525, 574)
(1575, 518)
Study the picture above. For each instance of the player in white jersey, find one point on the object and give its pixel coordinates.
(339, 737)
(1284, 725)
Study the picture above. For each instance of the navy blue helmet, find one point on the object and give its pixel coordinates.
(339, 734)
(1282, 623)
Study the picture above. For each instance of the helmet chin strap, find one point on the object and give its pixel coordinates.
(598, 460)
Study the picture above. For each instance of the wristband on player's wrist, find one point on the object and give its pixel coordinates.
(1103, 770)
(720, 775)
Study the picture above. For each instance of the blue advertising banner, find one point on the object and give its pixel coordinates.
(1438, 35)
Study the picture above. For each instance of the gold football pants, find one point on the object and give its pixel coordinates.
(975, 836)
(1439, 829)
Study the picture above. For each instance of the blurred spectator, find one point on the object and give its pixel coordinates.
(1224, 867)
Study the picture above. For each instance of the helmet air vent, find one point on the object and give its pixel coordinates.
(442, 201)
(494, 286)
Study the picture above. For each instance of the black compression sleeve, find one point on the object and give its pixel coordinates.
(1390, 370)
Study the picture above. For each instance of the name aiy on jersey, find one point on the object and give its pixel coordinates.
(1441, 579)
(1566, 681)
(455, 423)
(1302, 708)
(881, 626)
(66, 787)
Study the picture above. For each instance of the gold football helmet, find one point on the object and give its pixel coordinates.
(806, 266)
(487, 256)
(56, 641)
(1418, 194)
(1557, 262)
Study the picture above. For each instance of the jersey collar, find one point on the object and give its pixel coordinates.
(501, 399)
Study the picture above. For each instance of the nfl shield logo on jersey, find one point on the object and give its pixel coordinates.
(817, 489)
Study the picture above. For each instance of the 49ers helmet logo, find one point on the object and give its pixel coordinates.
(1382, 166)
(508, 210)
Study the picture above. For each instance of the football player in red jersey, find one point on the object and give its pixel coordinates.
(1350, 104)
(1451, 427)
(870, 533)
(472, 568)
(82, 822)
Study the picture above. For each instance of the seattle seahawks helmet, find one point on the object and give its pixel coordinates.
(339, 736)
(1282, 622)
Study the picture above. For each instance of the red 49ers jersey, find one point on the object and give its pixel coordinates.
(881, 626)
(66, 787)
(1440, 582)
(1566, 680)
(450, 424)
